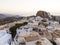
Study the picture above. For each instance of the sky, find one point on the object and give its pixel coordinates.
(29, 7)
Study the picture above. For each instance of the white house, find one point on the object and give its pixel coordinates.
(57, 40)
(5, 38)
(34, 24)
(38, 18)
(23, 29)
(53, 25)
(34, 20)
(50, 28)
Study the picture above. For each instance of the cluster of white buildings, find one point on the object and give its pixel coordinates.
(26, 35)
(30, 34)
(31, 38)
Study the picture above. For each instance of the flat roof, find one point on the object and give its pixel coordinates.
(32, 38)
(29, 36)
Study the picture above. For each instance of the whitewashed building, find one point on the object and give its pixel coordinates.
(23, 29)
(57, 40)
(31, 38)
(5, 38)
(34, 20)
(54, 25)
(38, 18)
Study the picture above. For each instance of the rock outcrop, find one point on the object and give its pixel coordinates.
(43, 14)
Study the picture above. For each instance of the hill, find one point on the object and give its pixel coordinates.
(2, 16)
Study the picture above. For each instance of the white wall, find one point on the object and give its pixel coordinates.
(31, 43)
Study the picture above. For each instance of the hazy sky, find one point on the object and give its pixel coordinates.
(29, 7)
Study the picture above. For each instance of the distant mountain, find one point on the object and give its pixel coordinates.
(57, 18)
(2, 16)
(8, 18)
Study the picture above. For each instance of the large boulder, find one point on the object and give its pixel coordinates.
(42, 14)
(45, 14)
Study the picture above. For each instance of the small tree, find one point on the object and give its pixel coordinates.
(25, 23)
(13, 31)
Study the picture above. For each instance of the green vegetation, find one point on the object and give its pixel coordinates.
(13, 29)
